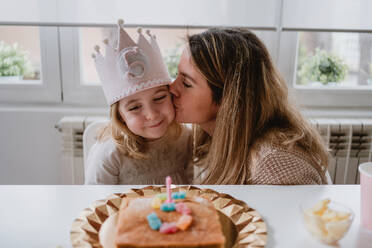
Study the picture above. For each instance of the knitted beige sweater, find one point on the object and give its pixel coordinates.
(277, 165)
(167, 157)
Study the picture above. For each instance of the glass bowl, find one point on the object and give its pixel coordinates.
(328, 225)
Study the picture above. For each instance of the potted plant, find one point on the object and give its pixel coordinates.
(323, 68)
(14, 63)
(172, 58)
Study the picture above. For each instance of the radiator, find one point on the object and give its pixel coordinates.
(72, 129)
(348, 140)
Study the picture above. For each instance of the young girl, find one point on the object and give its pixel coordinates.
(142, 144)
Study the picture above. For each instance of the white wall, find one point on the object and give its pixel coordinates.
(161, 12)
(30, 143)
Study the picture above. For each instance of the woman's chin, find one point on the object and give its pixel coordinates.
(179, 118)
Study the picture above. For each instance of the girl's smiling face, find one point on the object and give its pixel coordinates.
(148, 113)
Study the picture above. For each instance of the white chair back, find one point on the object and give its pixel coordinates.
(328, 177)
(89, 137)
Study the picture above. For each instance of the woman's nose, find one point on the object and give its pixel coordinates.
(173, 88)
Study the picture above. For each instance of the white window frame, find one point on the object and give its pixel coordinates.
(49, 89)
(261, 18)
(283, 19)
(255, 14)
(297, 16)
(74, 91)
(316, 96)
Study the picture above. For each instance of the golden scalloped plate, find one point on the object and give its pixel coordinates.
(242, 225)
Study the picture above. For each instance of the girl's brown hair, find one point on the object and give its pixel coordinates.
(253, 106)
(128, 143)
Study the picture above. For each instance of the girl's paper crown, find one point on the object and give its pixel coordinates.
(130, 67)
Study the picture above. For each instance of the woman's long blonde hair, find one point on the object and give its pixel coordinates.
(253, 106)
(128, 143)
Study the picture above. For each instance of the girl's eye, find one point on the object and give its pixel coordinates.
(160, 98)
(134, 108)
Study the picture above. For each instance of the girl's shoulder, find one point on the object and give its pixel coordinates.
(105, 153)
(106, 147)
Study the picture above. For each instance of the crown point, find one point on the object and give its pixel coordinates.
(96, 48)
(139, 30)
(106, 41)
(148, 32)
(120, 21)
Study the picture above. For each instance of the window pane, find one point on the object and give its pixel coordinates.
(170, 41)
(20, 60)
(334, 60)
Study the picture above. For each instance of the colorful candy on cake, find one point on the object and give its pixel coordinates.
(168, 220)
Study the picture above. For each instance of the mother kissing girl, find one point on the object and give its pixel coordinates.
(246, 130)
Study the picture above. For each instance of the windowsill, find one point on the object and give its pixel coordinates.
(321, 112)
(20, 82)
(334, 88)
(338, 112)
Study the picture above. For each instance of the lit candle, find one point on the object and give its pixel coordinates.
(168, 182)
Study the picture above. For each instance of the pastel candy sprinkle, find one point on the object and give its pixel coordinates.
(179, 195)
(162, 196)
(156, 202)
(168, 228)
(184, 222)
(154, 221)
(167, 207)
(182, 208)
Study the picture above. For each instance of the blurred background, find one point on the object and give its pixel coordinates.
(50, 91)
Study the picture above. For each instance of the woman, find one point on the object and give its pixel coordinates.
(247, 132)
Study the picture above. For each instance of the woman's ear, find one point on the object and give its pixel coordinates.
(215, 108)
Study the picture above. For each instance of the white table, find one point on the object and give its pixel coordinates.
(41, 216)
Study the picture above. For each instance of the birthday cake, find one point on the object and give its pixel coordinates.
(168, 220)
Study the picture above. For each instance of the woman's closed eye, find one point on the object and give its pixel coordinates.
(184, 78)
(186, 84)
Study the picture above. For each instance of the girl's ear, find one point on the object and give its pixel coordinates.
(121, 116)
